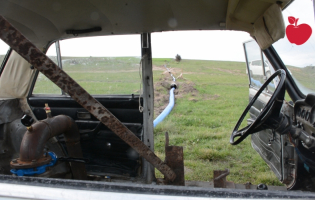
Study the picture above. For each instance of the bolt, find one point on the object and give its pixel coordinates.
(262, 187)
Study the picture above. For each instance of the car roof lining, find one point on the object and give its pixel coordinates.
(45, 21)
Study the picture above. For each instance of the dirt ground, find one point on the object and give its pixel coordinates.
(162, 87)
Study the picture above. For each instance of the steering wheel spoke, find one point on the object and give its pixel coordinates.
(270, 109)
(240, 133)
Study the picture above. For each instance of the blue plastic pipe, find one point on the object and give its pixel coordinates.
(167, 110)
(259, 84)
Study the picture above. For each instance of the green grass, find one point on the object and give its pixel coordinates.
(201, 122)
(203, 126)
(304, 75)
(97, 75)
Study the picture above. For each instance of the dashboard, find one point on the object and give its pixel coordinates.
(304, 120)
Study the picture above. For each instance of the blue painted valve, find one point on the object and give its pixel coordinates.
(36, 170)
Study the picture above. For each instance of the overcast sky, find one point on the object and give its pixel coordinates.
(205, 45)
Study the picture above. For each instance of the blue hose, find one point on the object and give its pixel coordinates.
(259, 84)
(167, 110)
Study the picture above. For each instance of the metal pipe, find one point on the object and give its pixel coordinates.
(42, 63)
(34, 140)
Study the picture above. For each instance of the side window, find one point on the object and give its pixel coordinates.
(3, 51)
(254, 63)
(259, 67)
(99, 70)
(269, 71)
(43, 85)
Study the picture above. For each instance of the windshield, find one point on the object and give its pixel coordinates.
(297, 49)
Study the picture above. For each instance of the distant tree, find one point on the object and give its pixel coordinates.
(178, 58)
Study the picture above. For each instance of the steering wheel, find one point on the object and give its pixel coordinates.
(272, 109)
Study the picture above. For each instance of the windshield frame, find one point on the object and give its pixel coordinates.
(276, 62)
(5, 60)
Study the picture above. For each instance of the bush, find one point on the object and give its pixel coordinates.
(178, 58)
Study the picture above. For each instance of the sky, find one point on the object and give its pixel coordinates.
(202, 45)
(298, 55)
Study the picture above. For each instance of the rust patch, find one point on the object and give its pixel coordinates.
(19, 164)
(174, 158)
(219, 178)
(101, 111)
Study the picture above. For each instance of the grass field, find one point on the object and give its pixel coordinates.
(98, 75)
(211, 97)
(202, 122)
(304, 75)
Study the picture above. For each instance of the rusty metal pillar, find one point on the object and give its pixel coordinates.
(248, 185)
(219, 178)
(42, 63)
(148, 102)
(174, 158)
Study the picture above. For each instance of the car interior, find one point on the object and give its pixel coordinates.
(55, 127)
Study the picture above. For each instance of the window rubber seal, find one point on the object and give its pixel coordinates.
(5, 60)
(291, 87)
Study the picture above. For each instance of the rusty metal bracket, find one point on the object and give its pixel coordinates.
(174, 158)
(42, 63)
(248, 185)
(219, 178)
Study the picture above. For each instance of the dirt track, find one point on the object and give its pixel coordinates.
(161, 88)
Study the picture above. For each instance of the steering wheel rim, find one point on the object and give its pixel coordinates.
(262, 117)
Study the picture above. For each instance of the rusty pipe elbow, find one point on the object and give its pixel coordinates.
(34, 140)
(33, 143)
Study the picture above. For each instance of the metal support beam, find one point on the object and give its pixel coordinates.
(219, 178)
(57, 43)
(42, 63)
(58, 54)
(174, 157)
(148, 101)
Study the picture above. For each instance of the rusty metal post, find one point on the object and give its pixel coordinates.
(248, 185)
(42, 63)
(174, 158)
(219, 178)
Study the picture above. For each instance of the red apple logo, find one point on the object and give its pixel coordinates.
(298, 34)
